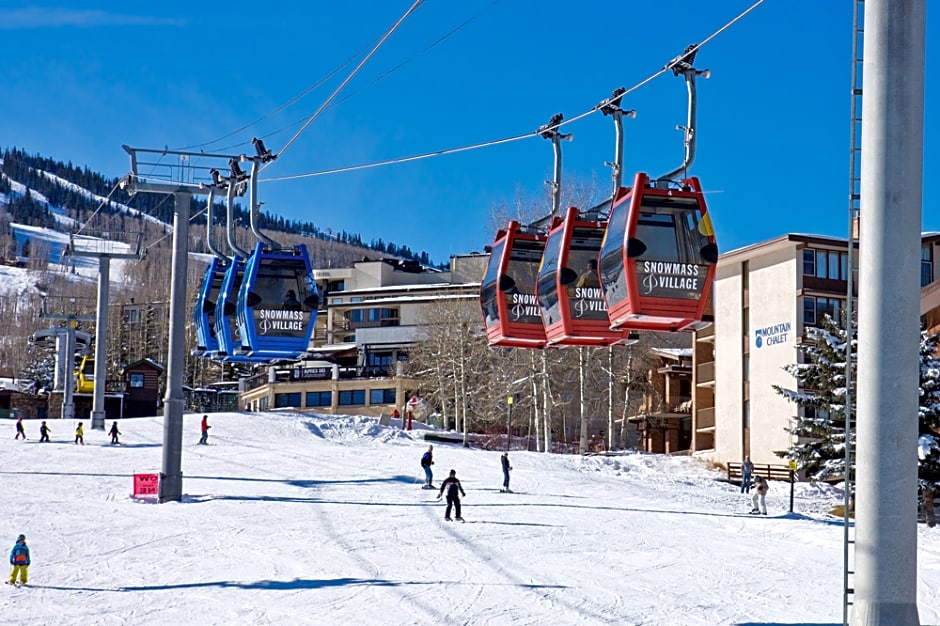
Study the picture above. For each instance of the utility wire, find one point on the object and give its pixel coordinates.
(380, 77)
(535, 133)
(348, 78)
(303, 94)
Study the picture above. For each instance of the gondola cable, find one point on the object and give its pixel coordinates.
(352, 74)
(534, 133)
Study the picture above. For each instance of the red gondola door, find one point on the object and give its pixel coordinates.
(657, 261)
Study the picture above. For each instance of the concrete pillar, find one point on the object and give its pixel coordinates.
(889, 314)
(101, 343)
(171, 479)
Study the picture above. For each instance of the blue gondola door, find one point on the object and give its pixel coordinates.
(207, 342)
(277, 303)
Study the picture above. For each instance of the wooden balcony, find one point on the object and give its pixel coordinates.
(705, 374)
(705, 420)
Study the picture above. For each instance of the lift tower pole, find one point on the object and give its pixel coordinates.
(103, 245)
(179, 180)
(889, 314)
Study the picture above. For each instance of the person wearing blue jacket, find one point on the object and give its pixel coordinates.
(19, 559)
(427, 460)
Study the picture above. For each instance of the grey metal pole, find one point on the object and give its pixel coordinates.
(101, 343)
(68, 388)
(171, 478)
(889, 314)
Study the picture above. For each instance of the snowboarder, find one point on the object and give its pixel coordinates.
(19, 429)
(760, 491)
(452, 486)
(204, 427)
(506, 467)
(43, 432)
(19, 559)
(114, 432)
(427, 460)
(80, 434)
(747, 468)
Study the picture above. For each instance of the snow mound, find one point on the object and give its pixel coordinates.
(348, 428)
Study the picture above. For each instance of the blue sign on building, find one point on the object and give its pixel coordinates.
(771, 335)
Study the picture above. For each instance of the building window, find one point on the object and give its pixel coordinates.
(831, 264)
(137, 381)
(809, 310)
(926, 265)
(285, 400)
(809, 262)
(132, 316)
(382, 396)
(263, 403)
(816, 307)
(319, 398)
(353, 397)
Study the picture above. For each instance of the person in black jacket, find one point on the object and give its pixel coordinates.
(506, 467)
(453, 488)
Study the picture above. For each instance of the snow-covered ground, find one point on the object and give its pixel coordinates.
(292, 519)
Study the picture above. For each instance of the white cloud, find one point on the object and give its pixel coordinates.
(50, 17)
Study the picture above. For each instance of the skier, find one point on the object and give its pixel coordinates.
(204, 427)
(114, 432)
(19, 429)
(747, 468)
(19, 559)
(453, 486)
(760, 491)
(43, 432)
(427, 460)
(506, 467)
(80, 434)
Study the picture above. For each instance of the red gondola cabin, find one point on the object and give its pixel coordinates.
(657, 262)
(507, 293)
(570, 298)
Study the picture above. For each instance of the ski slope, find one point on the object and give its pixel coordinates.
(294, 519)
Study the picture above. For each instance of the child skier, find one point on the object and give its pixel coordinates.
(453, 486)
(80, 434)
(19, 429)
(760, 491)
(114, 432)
(19, 559)
(427, 460)
(43, 432)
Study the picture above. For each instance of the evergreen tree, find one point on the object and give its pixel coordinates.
(820, 431)
(929, 413)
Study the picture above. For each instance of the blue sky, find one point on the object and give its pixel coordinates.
(773, 119)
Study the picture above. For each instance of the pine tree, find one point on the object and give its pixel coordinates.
(820, 431)
(928, 448)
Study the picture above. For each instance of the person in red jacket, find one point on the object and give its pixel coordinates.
(204, 427)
